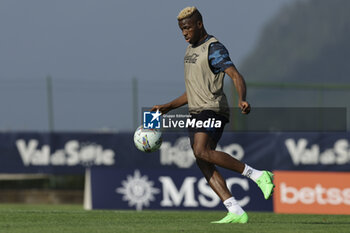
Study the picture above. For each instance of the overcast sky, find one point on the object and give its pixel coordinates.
(93, 48)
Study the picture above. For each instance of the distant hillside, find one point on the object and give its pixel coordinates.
(308, 41)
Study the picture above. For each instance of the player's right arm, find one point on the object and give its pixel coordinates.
(176, 103)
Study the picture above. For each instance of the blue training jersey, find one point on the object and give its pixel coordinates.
(219, 58)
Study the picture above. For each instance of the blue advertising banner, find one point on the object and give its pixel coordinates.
(168, 189)
(270, 151)
(55, 152)
(123, 177)
(72, 152)
(312, 151)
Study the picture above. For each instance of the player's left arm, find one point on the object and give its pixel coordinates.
(241, 88)
(220, 61)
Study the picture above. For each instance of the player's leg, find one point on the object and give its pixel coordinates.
(264, 179)
(219, 158)
(211, 174)
(235, 213)
(214, 179)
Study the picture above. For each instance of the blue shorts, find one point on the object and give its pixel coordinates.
(214, 133)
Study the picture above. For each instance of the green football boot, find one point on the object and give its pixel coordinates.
(265, 183)
(234, 218)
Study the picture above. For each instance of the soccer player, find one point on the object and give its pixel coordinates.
(206, 62)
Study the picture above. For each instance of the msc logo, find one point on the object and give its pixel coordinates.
(151, 120)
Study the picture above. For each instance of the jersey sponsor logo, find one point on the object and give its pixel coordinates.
(191, 58)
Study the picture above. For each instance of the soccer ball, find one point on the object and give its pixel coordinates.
(147, 140)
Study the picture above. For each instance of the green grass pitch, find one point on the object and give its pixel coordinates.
(69, 218)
